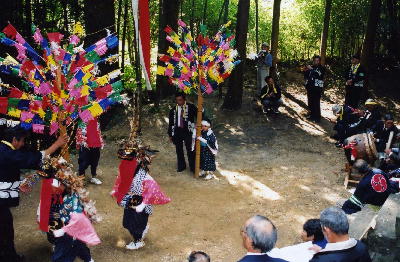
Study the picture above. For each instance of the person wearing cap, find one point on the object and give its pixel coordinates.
(354, 82)
(264, 63)
(345, 116)
(372, 114)
(136, 191)
(374, 188)
(382, 132)
(271, 96)
(12, 160)
(368, 119)
(208, 151)
(180, 129)
(314, 83)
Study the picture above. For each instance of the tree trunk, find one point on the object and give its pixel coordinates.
(100, 15)
(120, 2)
(332, 43)
(169, 11)
(233, 99)
(257, 43)
(28, 17)
(325, 30)
(275, 31)
(65, 15)
(193, 7)
(367, 53)
(394, 43)
(126, 21)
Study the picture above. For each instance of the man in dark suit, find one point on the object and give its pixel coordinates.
(354, 82)
(259, 237)
(180, 130)
(340, 247)
(12, 160)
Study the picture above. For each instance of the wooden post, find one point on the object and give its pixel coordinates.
(198, 126)
(61, 118)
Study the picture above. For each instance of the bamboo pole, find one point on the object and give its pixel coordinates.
(198, 126)
(61, 118)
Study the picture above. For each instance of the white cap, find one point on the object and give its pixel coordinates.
(205, 123)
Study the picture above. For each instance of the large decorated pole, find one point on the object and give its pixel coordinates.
(198, 65)
(60, 86)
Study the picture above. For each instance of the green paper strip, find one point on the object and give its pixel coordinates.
(117, 86)
(13, 102)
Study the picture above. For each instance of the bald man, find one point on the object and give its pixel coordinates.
(259, 237)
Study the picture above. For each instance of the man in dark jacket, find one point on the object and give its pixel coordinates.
(314, 83)
(259, 237)
(12, 160)
(382, 132)
(340, 247)
(354, 82)
(180, 130)
(346, 116)
(271, 96)
(374, 188)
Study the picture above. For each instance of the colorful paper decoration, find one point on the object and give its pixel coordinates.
(215, 58)
(65, 79)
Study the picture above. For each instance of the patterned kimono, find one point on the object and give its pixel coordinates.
(209, 148)
(67, 247)
(143, 191)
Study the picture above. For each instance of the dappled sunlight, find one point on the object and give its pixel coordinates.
(256, 188)
(234, 130)
(332, 197)
(307, 126)
(301, 219)
(306, 188)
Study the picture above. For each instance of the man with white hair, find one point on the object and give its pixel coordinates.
(259, 237)
(340, 247)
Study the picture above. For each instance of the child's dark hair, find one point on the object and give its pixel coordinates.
(313, 228)
(198, 256)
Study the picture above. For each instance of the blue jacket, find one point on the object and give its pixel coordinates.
(11, 163)
(260, 258)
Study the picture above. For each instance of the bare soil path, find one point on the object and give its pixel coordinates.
(283, 167)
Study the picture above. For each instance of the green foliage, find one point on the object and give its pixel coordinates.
(129, 78)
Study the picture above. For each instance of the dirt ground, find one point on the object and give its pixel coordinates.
(283, 167)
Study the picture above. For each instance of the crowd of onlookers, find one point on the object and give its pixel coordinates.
(327, 238)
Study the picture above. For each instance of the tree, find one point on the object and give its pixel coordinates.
(257, 43)
(394, 42)
(370, 34)
(325, 30)
(275, 31)
(233, 98)
(169, 11)
(99, 15)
